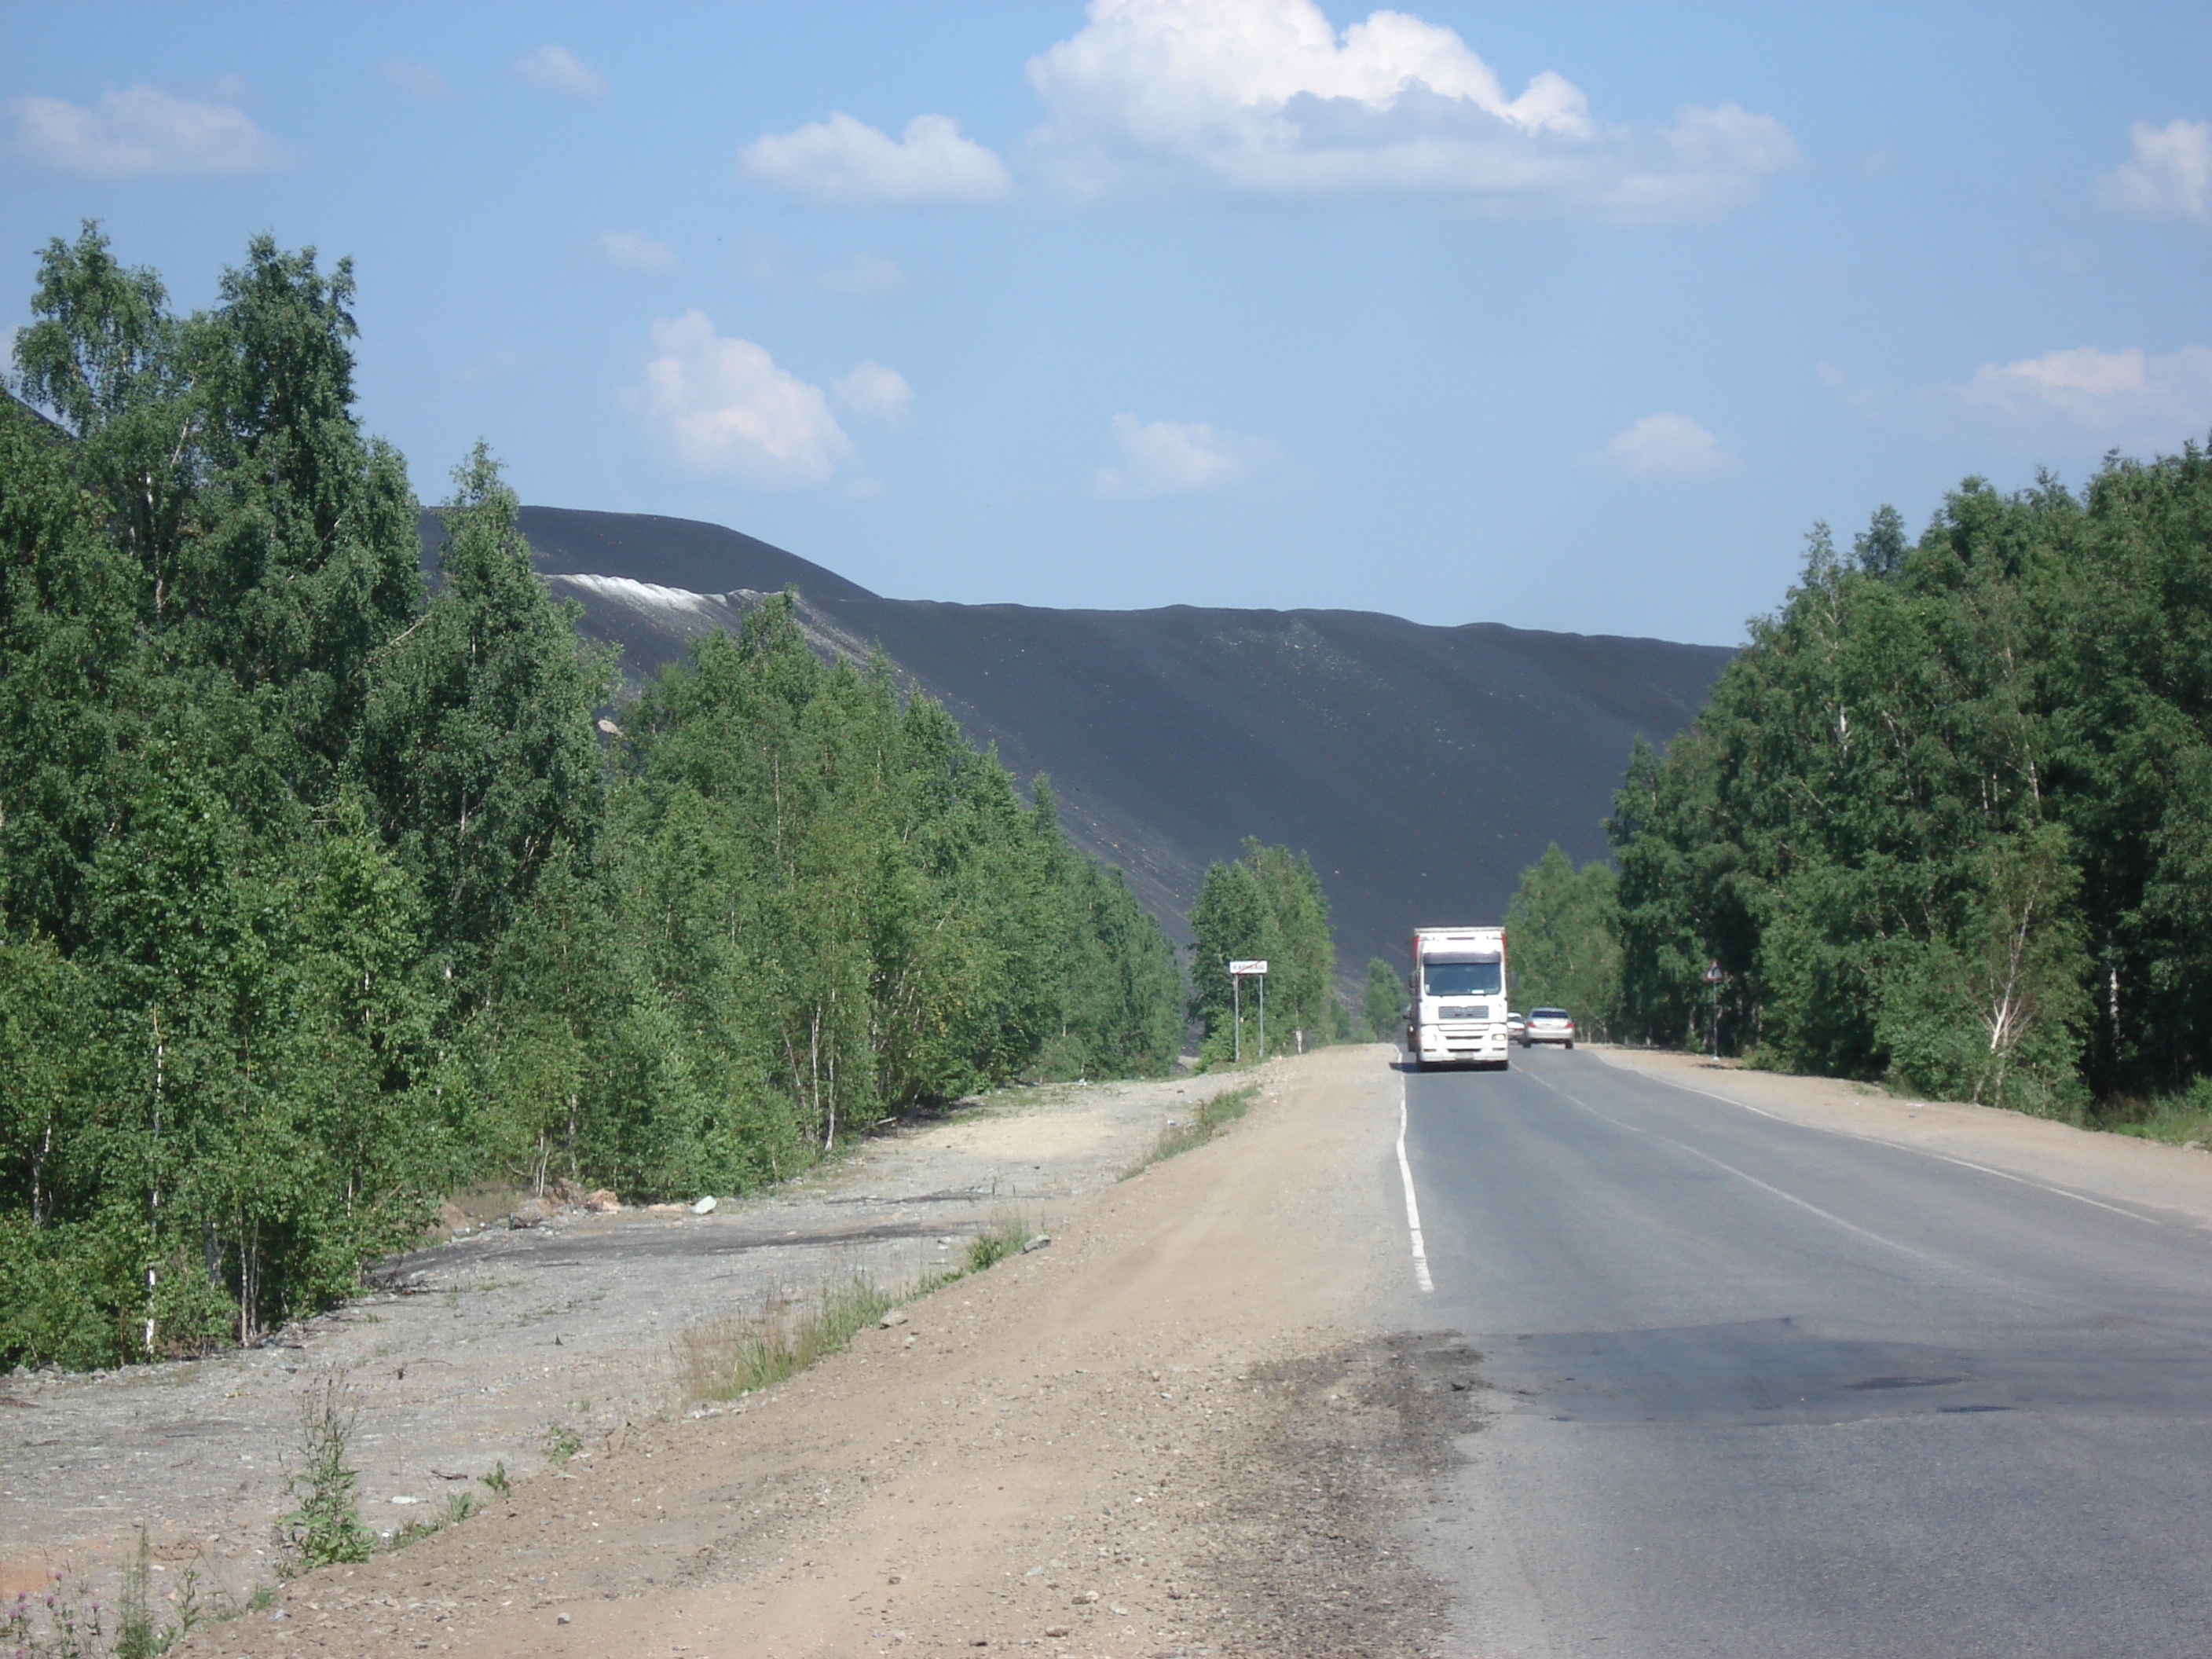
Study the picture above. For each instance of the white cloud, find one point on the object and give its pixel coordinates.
(626, 250)
(1264, 96)
(558, 70)
(141, 132)
(868, 277)
(876, 391)
(1665, 445)
(720, 408)
(416, 78)
(1175, 457)
(842, 163)
(2171, 173)
(2129, 392)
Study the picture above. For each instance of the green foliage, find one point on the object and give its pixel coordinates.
(1003, 1237)
(61, 1622)
(136, 1636)
(1562, 931)
(736, 1355)
(458, 1507)
(1382, 1002)
(1265, 903)
(476, 739)
(320, 891)
(1207, 1119)
(2181, 1117)
(323, 1527)
(1949, 818)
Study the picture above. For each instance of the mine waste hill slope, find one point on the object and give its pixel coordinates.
(1420, 768)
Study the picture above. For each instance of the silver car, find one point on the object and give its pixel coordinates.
(1548, 1025)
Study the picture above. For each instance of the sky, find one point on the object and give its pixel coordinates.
(1569, 316)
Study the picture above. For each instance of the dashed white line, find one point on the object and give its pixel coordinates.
(1876, 1140)
(1744, 1175)
(1413, 1204)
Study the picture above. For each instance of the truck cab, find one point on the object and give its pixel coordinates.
(1457, 1012)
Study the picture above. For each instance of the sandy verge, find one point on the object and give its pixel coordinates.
(468, 1353)
(1179, 1429)
(2149, 1173)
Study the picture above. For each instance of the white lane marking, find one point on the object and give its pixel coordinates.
(1413, 1206)
(1943, 1157)
(1787, 1198)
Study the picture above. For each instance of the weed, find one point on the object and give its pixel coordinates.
(458, 1507)
(930, 1282)
(190, 1610)
(136, 1637)
(1002, 1238)
(58, 1625)
(734, 1355)
(2182, 1117)
(497, 1480)
(324, 1527)
(560, 1444)
(1206, 1120)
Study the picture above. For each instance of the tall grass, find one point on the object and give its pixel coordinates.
(1206, 1120)
(2180, 1117)
(1004, 1237)
(734, 1354)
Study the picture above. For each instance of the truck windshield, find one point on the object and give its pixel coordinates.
(1462, 979)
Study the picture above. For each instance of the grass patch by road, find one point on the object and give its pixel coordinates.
(1207, 1119)
(735, 1354)
(2183, 1118)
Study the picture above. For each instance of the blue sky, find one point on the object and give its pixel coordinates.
(1570, 316)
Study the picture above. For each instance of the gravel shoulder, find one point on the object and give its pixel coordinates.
(2116, 1168)
(467, 1354)
(1199, 1422)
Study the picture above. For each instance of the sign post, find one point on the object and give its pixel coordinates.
(1714, 974)
(1238, 972)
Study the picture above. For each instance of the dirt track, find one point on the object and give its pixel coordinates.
(1173, 1430)
(474, 1349)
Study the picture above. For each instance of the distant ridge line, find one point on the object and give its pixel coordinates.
(1422, 767)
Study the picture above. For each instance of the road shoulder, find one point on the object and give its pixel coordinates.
(2118, 1168)
(1180, 1428)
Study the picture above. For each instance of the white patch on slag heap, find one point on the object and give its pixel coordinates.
(674, 611)
(644, 596)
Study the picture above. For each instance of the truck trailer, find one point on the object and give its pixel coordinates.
(1457, 1013)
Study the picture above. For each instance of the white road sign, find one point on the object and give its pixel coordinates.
(1259, 967)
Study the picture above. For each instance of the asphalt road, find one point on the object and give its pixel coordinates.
(1767, 1390)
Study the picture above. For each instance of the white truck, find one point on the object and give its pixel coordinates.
(1456, 1015)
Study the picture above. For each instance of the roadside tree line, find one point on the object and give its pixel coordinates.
(325, 888)
(1946, 820)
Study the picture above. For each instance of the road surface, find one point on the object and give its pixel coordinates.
(1766, 1390)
